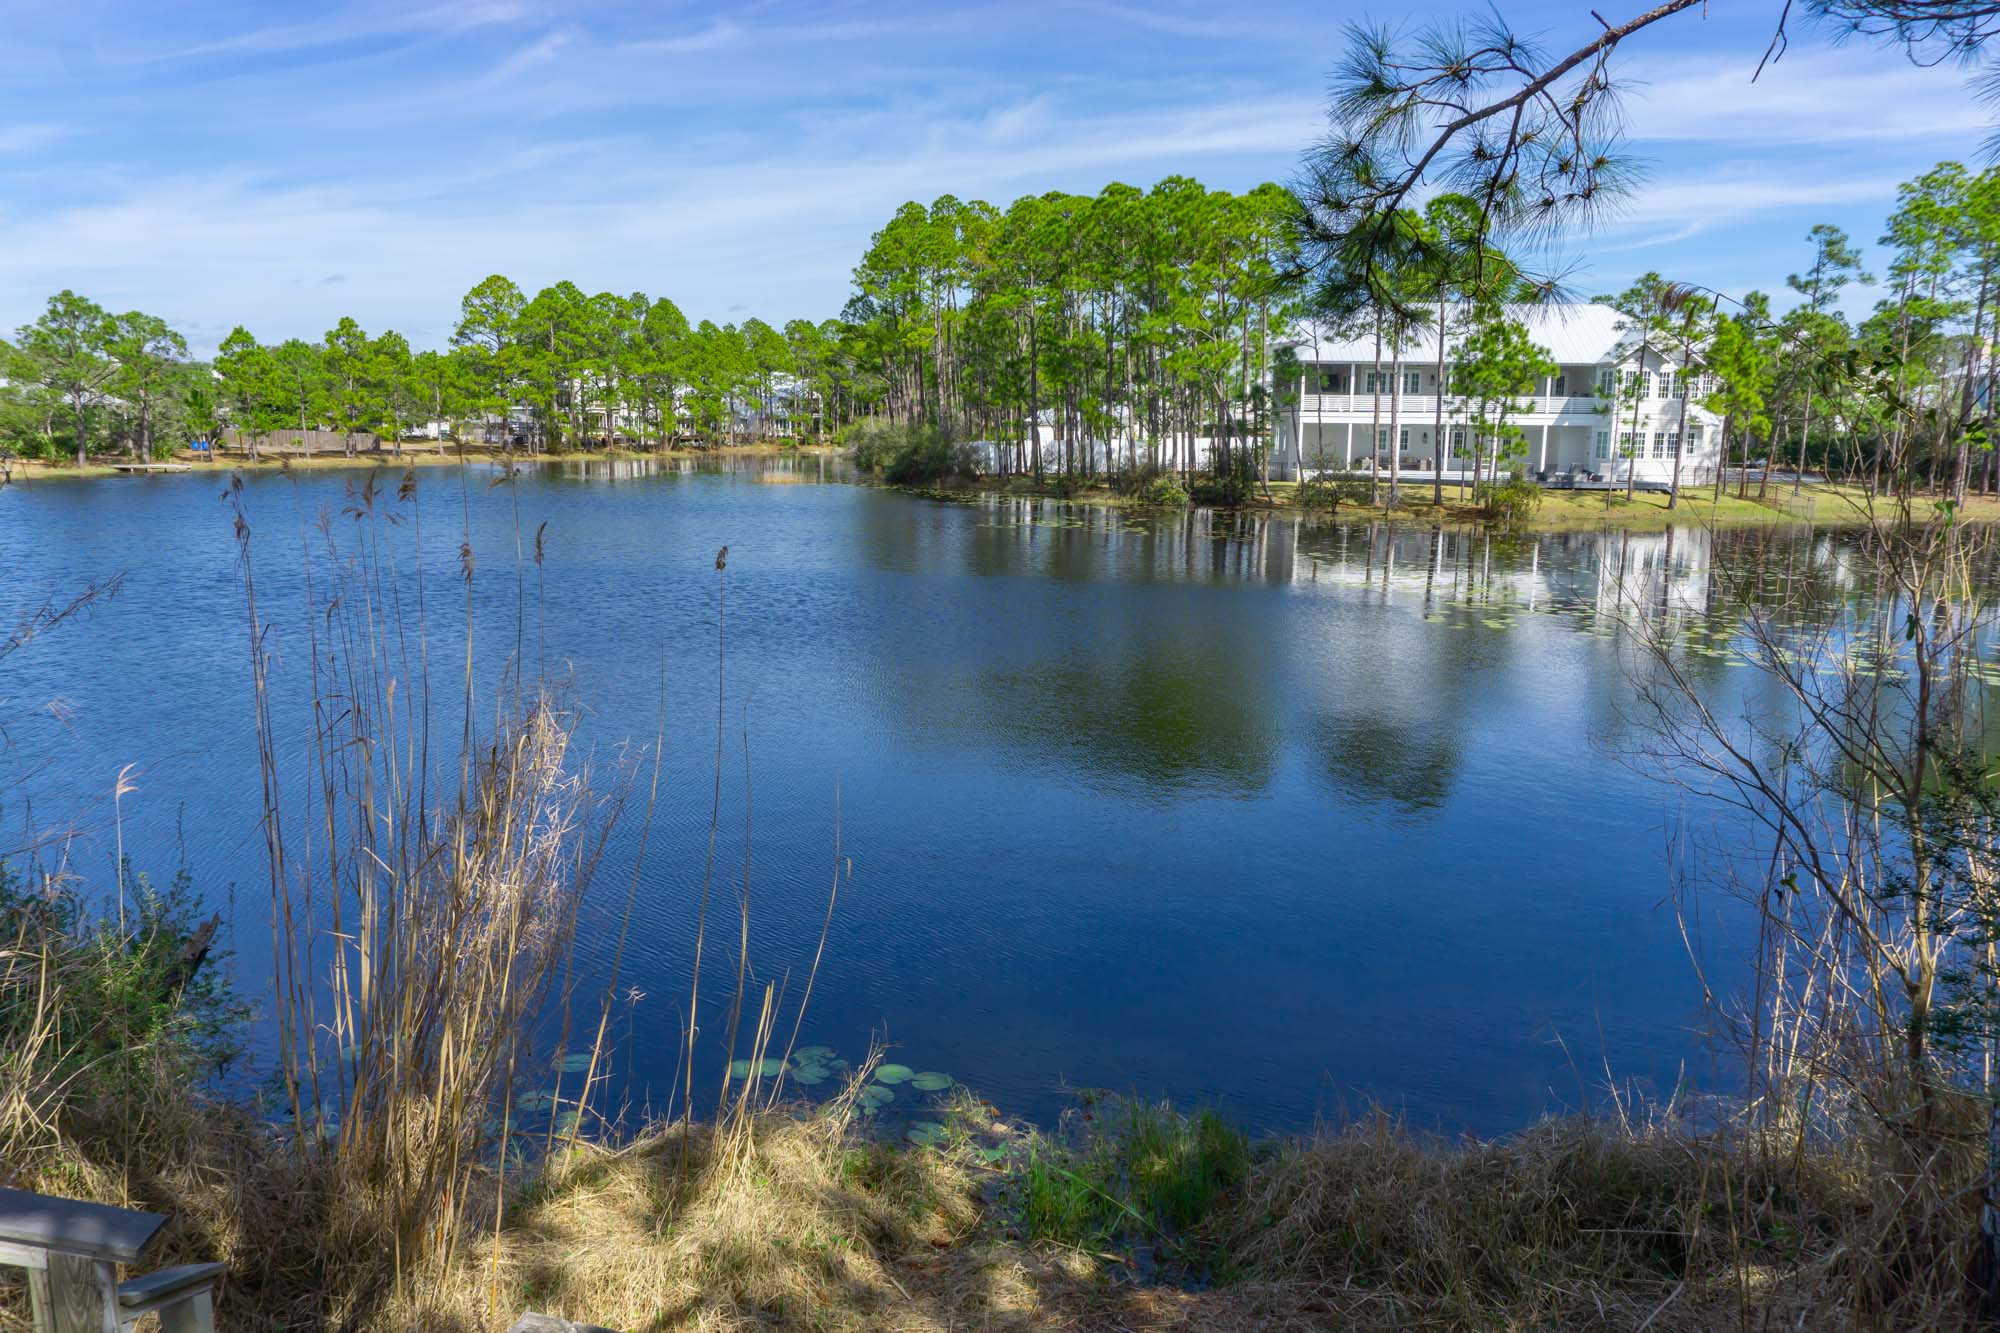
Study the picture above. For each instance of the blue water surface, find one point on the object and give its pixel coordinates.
(1286, 820)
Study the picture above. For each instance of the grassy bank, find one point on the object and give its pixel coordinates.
(1154, 1221)
(415, 454)
(1557, 511)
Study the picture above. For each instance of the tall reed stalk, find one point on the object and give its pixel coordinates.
(424, 921)
(443, 914)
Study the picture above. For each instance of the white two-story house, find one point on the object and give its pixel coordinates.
(1578, 424)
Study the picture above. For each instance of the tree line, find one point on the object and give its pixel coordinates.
(1050, 327)
(1082, 335)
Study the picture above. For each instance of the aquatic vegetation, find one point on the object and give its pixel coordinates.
(1128, 1168)
(894, 1074)
(931, 1081)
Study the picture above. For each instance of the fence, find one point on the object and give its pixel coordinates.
(302, 441)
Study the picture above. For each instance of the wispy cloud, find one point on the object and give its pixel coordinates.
(718, 34)
(29, 138)
(352, 24)
(1205, 24)
(1837, 97)
(224, 161)
(541, 51)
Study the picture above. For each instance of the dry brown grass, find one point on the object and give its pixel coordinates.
(802, 1222)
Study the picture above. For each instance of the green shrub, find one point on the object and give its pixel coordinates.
(1231, 486)
(1329, 494)
(908, 455)
(1512, 501)
(101, 1011)
(1162, 490)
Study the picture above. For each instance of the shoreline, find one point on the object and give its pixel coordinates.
(1835, 505)
(1829, 506)
(30, 470)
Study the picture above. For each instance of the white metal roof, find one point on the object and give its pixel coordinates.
(1576, 333)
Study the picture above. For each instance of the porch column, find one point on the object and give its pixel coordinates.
(1544, 456)
(1347, 447)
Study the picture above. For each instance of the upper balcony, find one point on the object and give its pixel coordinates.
(1421, 407)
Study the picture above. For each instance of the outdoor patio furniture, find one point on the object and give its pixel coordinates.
(72, 1251)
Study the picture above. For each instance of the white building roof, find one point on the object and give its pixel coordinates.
(1574, 333)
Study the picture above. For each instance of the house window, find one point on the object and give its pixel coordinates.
(1645, 384)
(1694, 435)
(1458, 443)
(1602, 449)
(1627, 447)
(1556, 386)
(1660, 444)
(1607, 378)
(1382, 438)
(1332, 381)
(1413, 381)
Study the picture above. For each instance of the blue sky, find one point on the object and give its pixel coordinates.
(282, 165)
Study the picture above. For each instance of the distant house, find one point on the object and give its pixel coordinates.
(1577, 423)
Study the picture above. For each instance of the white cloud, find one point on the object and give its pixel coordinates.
(541, 51)
(1692, 196)
(1846, 96)
(353, 24)
(29, 138)
(718, 34)
(776, 230)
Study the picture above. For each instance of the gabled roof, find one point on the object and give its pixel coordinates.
(1574, 333)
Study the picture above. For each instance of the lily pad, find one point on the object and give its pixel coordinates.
(576, 1062)
(931, 1081)
(895, 1074)
(765, 1068)
(813, 1055)
(567, 1122)
(875, 1095)
(809, 1075)
(542, 1099)
(926, 1133)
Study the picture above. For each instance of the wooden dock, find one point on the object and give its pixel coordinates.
(153, 467)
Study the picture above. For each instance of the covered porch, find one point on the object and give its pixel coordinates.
(1552, 450)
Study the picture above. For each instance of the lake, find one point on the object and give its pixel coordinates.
(1286, 819)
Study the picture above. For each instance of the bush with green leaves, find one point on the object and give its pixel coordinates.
(1163, 490)
(1230, 485)
(1328, 494)
(95, 1011)
(909, 455)
(1512, 501)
